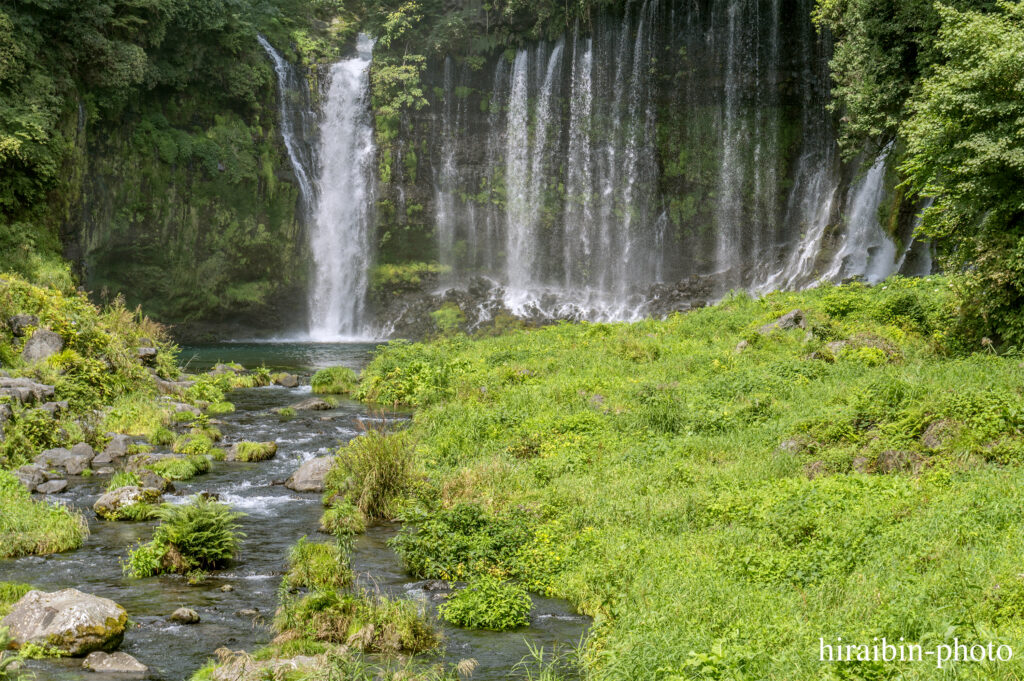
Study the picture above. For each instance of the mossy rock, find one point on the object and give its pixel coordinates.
(67, 622)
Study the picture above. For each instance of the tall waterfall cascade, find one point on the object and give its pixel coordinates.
(340, 194)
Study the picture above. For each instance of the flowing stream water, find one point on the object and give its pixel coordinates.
(275, 519)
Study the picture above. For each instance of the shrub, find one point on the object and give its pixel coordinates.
(162, 437)
(318, 565)
(372, 472)
(193, 443)
(220, 408)
(448, 318)
(488, 602)
(335, 381)
(342, 519)
(200, 535)
(459, 541)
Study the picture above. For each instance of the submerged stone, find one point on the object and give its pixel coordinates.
(184, 616)
(114, 663)
(52, 487)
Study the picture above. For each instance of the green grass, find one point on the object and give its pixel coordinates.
(334, 381)
(255, 451)
(181, 469)
(369, 623)
(123, 479)
(11, 593)
(371, 473)
(318, 565)
(31, 527)
(717, 508)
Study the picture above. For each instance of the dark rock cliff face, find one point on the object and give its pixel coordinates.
(195, 216)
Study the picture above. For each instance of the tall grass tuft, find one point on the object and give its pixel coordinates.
(372, 473)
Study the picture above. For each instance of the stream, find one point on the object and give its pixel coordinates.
(275, 519)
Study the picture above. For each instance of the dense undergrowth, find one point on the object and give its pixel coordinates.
(718, 495)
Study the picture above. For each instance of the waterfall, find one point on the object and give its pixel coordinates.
(729, 209)
(675, 141)
(579, 212)
(444, 194)
(867, 250)
(340, 234)
(290, 84)
(519, 261)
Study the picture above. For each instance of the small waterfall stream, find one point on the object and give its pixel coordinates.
(294, 107)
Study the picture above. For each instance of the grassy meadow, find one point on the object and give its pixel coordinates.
(718, 495)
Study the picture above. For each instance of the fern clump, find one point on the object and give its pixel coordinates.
(201, 535)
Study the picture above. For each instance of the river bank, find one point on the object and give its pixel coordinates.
(276, 518)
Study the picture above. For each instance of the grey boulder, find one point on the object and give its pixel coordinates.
(43, 343)
(791, 320)
(52, 487)
(117, 447)
(74, 460)
(287, 381)
(73, 622)
(310, 475)
(113, 663)
(20, 323)
(24, 391)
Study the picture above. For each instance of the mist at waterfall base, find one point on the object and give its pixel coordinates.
(550, 182)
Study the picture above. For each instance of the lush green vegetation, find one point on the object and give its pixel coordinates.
(718, 496)
(370, 475)
(194, 537)
(29, 526)
(11, 593)
(255, 451)
(158, 99)
(942, 81)
(334, 381)
(488, 602)
(318, 565)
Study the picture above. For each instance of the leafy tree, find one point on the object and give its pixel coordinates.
(965, 148)
(881, 49)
